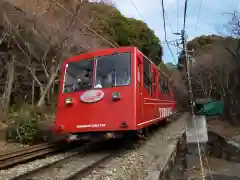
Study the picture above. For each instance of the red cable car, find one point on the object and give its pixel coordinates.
(110, 92)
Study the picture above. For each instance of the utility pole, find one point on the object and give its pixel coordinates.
(188, 71)
(188, 65)
(192, 126)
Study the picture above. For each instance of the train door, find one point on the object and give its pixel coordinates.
(140, 85)
(154, 93)
(154, 83)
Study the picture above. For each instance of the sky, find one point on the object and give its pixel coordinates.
(212, 18)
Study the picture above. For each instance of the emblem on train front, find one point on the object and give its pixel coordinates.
(92, 96)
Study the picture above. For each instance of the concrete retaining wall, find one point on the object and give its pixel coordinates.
(174, 163)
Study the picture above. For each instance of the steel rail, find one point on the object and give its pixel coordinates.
(26, 154)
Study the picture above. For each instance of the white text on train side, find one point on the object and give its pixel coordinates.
(91, 125)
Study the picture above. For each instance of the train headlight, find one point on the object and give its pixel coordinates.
(115, 96)
(68, 100)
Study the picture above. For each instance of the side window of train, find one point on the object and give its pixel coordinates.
(147, 73)
(168, 87)
(164, 84)
(154, 81)
(161, 83)
(139, 77)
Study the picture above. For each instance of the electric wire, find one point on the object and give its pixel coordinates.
(162, 42)
(177, 13)
(177, 22)
(185, 14)
(165, 33)
(140, 14)
(207, 162)
(190, 88)
(204, 153)
(169, 24)
(199, 12)
(70, 13)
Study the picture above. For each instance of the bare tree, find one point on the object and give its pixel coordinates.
(235, 24)
(180, 89)
(43, 33)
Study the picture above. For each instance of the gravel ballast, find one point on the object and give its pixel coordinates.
(23, 168)
(127, 165)
(136, 164)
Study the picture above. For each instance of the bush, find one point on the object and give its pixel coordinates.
(23, 124)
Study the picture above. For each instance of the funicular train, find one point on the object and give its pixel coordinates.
(111, 92)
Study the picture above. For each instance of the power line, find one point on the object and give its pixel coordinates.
(171, 53)
(188, 66)
(169, 24)
(177, 21)
(191, 103)
(177, 13)
(185, 15)
(59, 4)
(165, 33)
(199, 11)
(164, 23)
(175, 45)
(140, 14)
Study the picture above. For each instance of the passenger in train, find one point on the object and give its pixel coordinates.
(83, 80)
(123, 79)
(103, 81)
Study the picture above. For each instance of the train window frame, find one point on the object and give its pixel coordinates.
(154, 83)
(97, 58)
(139, 76)
(67, 75)
(147, 75)
(168, 87)
(161, 83)
(164, 84)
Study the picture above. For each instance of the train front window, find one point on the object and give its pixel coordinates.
(78, 76)
(113, 70)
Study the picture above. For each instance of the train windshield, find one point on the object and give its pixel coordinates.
(113, 70)
(110, 71)
(78, 76)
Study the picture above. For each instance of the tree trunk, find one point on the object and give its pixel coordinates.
(47, 88)
(8, 89)
(33, 84)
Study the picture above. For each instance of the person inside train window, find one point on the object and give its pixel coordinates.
(108, 80)
(83, 80)
(123, 79)
(103, 80)
(126, 78)
(78, 76)
(98, 79)
(111, 70)
(98, 83)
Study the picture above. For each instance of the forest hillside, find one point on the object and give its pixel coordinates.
(35, 38)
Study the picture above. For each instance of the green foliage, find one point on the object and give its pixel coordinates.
(201, 44)
(23, 123)
(128, 31)
(171, 66)
(164, 68)
(203, 41)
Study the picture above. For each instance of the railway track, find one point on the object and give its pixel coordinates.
(79, 162)
(26, 154)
